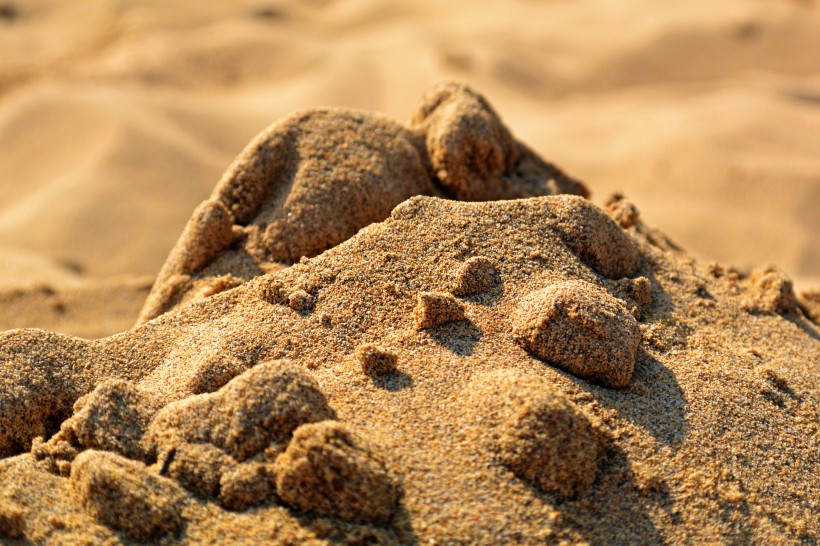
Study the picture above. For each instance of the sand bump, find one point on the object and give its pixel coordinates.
(580, 328)
(329, 470)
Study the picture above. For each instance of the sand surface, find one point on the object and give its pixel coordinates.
(409, 327)
(528, 368)
(116, 119)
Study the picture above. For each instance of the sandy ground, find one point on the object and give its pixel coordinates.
(116, 119)
(530, 371)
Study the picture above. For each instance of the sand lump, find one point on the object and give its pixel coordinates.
(375, 360)
(125, 495)
(251, 413)
(12, 520)
(582, 329)
(327, 469)
(538, 433)
(564, 377)
(476, 276)
(436, 308)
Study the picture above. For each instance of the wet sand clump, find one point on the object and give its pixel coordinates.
(582, 329)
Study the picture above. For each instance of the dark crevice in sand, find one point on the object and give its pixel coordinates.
(460, 339)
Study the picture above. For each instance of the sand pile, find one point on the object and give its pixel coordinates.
(314, 179)
(531, 370)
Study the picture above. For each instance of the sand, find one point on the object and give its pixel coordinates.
(117, 119)
(529, 369)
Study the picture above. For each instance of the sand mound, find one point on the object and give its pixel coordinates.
(271, 206)
(241, 415)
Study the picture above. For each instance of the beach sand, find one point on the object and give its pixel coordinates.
(529, 369)
(542, 313)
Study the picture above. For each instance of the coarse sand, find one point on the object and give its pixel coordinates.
(342, 349)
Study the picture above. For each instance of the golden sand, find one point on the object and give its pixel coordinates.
(530, 370)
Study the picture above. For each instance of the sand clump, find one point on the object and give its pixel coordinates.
(436, 308)
(197, 467)
(537, 432)
(622, 210)
(635, 293)
(569, 402)
(125, 495)
(476, 276)
(771, 292)
(12, 520)
(474, 156)
(595, 238)
(246, 485)
(375, 360)
(582, 329)
(252, 412)
(548, 444)
(113, 417)
(329, 470)
(810, 303)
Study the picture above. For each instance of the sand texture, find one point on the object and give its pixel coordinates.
(432, 370)
(312, 180)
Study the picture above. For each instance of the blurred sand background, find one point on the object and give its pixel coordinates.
(118, 117)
